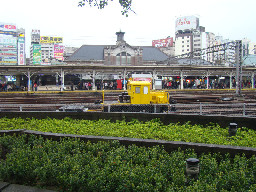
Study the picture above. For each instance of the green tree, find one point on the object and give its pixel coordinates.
(101, 4)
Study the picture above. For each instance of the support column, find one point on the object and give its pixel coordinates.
(181, 80)
(93, 80)
(57, 79)
(230, 80)
(124, 88)
(18, 80)
(154, 79)
(62, 79)
(238, 67)
(29, 79)
(207, 80)
(253, 80)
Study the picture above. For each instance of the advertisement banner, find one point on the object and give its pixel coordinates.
(8, 60)
(21, 51)
(7, 54)
(47, 39)
(8, 40)
(59, 52)
(37, 58)
(8, 27)
(5, 51)
(8, 51)
(168, 42)
(12, 33)
(188, 22)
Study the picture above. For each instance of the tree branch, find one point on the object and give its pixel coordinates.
(101, 4)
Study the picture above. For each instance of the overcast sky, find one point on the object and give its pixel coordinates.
(154, 19)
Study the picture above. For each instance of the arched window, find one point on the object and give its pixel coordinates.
(123, 58)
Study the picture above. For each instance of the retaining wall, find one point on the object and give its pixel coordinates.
(168, 145)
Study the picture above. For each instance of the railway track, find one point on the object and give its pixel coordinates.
(52, 101)
(189, 96)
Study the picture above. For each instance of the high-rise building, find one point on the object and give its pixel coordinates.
(249, 48)
(45, 50)
(12, 45)
(8, 44)
(208, 40)
(191, 41)
(252, 48)
(188, 36)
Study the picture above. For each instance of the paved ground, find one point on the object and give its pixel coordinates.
(7, 187)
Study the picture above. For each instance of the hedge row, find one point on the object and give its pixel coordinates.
(154, 129)
(73, 165)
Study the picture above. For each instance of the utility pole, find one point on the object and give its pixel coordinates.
(238, 50)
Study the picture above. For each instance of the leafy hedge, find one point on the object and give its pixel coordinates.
(73, 165)
(154, 129)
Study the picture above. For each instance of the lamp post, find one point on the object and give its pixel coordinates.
(192, 168)
(232, 129)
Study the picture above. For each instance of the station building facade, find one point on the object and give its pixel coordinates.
(120, 54)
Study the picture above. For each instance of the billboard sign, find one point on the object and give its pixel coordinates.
(21, 51)
(47, 39)
(12, 33)
(8, 60)
(7, 27)
(58, 52)
(37, 59)
(8, 51)
(8, 41)
(186, 23)
(168, 42)
(142, 77)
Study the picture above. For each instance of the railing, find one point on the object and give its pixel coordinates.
(236, 109)
(79, 107)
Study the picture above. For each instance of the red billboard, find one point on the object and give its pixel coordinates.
(186, 23)
(168, 42)
(58, 52)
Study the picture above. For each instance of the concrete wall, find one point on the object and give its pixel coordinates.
(168, 145)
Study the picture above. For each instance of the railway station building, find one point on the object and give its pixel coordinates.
(120, 54)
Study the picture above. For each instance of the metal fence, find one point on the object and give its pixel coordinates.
(79, 107)
(235, 109)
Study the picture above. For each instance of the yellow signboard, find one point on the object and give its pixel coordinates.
(47, 39)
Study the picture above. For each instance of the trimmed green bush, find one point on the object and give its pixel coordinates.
(74, 165)
(154, 129)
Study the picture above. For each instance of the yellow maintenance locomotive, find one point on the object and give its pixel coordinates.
(140, 98)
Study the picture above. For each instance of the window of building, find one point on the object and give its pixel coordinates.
(123, 58)
(182, 37)
(182, 41)
(182, 45)
(187, 45)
